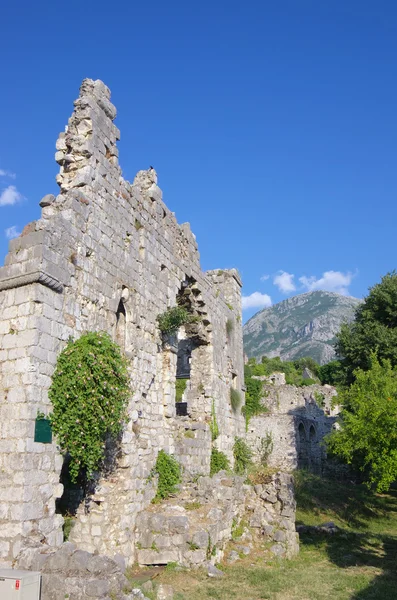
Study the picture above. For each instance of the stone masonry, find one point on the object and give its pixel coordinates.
(297, 420)
(108, 255)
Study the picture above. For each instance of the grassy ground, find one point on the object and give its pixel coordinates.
(358, 563)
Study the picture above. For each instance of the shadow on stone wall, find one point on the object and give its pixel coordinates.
(311, 425)
(74, 493)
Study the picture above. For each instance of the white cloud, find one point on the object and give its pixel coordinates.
(284, 282)
(265, 277)
(7, 174)
(256, 300)
(10, 196)
(331, 281)
(12, 232)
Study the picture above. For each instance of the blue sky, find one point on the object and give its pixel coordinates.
(271, 124)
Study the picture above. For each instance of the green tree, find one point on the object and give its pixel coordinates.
(333, 373)
(374, 329)
(367, 438)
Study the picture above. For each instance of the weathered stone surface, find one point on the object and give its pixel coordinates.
(165, 592)
(214, 571)
(109, 255)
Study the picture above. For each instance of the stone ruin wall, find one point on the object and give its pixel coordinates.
(107, 255)
(298, 420)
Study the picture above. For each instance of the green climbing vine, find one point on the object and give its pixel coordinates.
(89, 394)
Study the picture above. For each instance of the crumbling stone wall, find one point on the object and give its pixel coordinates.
(107, 255)
(297, 420)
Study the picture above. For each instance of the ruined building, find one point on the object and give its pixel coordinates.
(296, 422)
(109, 255)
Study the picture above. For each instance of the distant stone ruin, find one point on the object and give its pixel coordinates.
(297, 421)
(108, 255)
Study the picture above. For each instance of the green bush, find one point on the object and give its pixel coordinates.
(242, 456)
(170, 320)
(89, 394)
(219, 462)
(235, 399)
(293, 369)
(169, 472)
(180, 387)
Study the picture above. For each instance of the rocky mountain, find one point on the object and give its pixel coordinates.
(304, 325)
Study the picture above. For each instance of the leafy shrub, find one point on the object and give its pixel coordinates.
(180, 387)
(333, 373)
(293, 369)
(89, 394)
(242, 456)
(170, 320)
(235, 399)
(219, 462)
(169, 472)
(307, 382)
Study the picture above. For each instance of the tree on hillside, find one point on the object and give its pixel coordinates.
(367, 438)
(374, 329)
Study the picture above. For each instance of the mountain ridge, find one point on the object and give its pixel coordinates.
(303, 325)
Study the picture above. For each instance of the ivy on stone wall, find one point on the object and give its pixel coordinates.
(89, 393)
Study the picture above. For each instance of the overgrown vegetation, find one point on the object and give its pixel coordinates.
(367, 438)
(169, 475)
(235, 399)
(367, 378)
(357, 563)
(293, 369)
(373, 330)
(89, 394)
(172, 319)
(242, 456)
(180, 387)
(253, 397)
(219, 462)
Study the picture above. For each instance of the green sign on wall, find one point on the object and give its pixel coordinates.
(42, 431)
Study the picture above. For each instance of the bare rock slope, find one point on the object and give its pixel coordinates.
(304, 325)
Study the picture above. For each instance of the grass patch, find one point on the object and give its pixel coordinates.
(358, 563)
(180, 387)
(192, 505)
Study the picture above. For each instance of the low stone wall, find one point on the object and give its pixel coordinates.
(75, 574)
(197, 526)
(272, 509)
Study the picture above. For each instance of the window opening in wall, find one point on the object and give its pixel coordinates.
(234, 380)
(121, 318)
